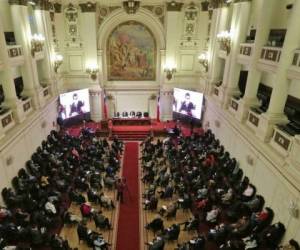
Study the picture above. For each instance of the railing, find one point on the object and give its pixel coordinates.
(14, 50)
(296, 58)
(253, 119)
(234, 104)
(7, 120)
(246, 49)
(271, 54)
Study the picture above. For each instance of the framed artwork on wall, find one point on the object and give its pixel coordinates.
(131, 53)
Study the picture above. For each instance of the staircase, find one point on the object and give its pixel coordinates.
(131, 135)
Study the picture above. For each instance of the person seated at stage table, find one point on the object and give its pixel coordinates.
(157, 244)
(132, 114)
(124, 114)
(101, 221)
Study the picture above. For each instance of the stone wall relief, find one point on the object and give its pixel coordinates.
(71, 19)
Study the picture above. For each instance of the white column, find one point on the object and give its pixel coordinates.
(89, 33)
(281, 83)
(7, 81)
(291, 42)
(173, 18)
(44, 27)
(218, 24)
(265, 9)
(166, 102)
(238, 30)
(23, 34)
(96, 104)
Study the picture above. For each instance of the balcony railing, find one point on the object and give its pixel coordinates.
(296, 58)
(281, 141)
(246, 49)
(271, 54)
(14, 50)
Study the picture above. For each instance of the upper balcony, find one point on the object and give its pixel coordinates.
(269, 58)
(15, 54)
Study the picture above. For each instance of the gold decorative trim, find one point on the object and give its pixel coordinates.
(174, 6)
(88, 7)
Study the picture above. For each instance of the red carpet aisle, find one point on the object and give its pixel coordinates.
(128, 224)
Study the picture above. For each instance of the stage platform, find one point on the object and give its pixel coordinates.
(132, 132)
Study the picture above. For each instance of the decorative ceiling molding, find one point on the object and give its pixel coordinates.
(18, 2)
(174, 6)
(88, 7)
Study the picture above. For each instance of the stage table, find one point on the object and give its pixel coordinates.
(131, 121)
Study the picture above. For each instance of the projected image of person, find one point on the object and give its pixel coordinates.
(187, 106)
(76, 106)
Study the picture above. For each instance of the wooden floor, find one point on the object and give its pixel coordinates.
(70, 232)
(148, 216)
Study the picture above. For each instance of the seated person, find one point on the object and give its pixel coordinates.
(86, 209)
(167, 193)
(172, 232)
(258, 218)
(70, 218)
(241, 226)
(227, 197)
(50, 208)
(106, 201)
(132, 114)
(101, 221)
(191, 224)
(168, 210)
(151, 204)
(157, 243)
(197, 243)
(213, 214)
(218, 234)
(125, 114)
(157, 224)
(82, 231)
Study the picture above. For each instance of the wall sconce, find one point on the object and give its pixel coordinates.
(224, 37)
(57, 62)
(131, 6)
(92, 71)
(169, 72)
(37, 43)
(203, 60)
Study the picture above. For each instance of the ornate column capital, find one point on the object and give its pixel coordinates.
(18, 2)
(88, 7)
(41, 5)
(174, 6)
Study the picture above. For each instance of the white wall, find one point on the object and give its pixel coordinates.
(133, 101)
(19, 144)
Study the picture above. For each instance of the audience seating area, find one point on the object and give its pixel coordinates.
(62, 171)
(196, 174)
